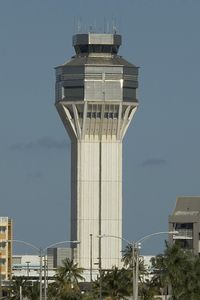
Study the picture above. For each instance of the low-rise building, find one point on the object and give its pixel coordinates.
(26, 266)
(55, 256)
(29, 265)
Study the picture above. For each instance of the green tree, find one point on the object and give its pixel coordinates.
(192, 279)
(33, 291)
(52, 290)
(114, 284)
(127, 257)
(161, 279)
(18, 285)
(146, 290)
(66, 282)
(175, 270)
(128, 260)
(70, 272)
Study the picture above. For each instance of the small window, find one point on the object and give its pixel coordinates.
(2, 245)
(183, 226)
(2, 261)
(2, 228)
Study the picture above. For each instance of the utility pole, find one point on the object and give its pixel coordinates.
(134, 271)
(20, 293)
(90, 257)
(45, 279)
(28, 268)
(100, 270)
(0, 278)
(41, 256)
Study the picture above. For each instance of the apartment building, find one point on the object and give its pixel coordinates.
(6, 234)
(186, 220)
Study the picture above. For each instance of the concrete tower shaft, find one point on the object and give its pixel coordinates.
(96, 100)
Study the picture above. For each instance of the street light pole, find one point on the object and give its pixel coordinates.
(40, 255)
(137, 247)
(132, 244)
(44, 251)
(20, 293)
(134, 269)
(100, 271)
(27, 268)
(45, 278)
(91, 257)
(41, 252)
(135, 253)
(0, 276)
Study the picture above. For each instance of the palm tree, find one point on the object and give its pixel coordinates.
(128, 263)
(66, 282)
(19, 285)
(115, 284)
(174, 270)
(70, 272)
(192, 281)
(128, 256)
(52, 291)
(146, 290)
(33, 291)
(160, 280)
(128, 260)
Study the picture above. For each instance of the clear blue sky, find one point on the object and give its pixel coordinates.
(162, 146)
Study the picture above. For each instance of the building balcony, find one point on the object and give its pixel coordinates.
(184, 234)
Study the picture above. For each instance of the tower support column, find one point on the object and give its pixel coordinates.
(98, 186)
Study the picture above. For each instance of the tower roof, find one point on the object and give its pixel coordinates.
(92, 60)
(96, 43)
(187, 205)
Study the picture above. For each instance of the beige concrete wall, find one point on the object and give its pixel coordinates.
(99, 191)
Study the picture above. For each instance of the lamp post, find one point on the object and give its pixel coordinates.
(41, 252)
(45, 278)
(28, 268)
(91, 257)
(44, 251)
(0, 277)
(137, 246)
(135, 255)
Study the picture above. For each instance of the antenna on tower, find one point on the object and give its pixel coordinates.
(74, 25)
(95, 26)
(108, 27)
(79, 25)
(91, 29)
(104, 25)
(114, 25)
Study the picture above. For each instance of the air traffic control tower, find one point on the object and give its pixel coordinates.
(96, 100)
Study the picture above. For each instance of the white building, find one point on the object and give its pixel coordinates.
(29, 266)
(26, 265)
(96, 100)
